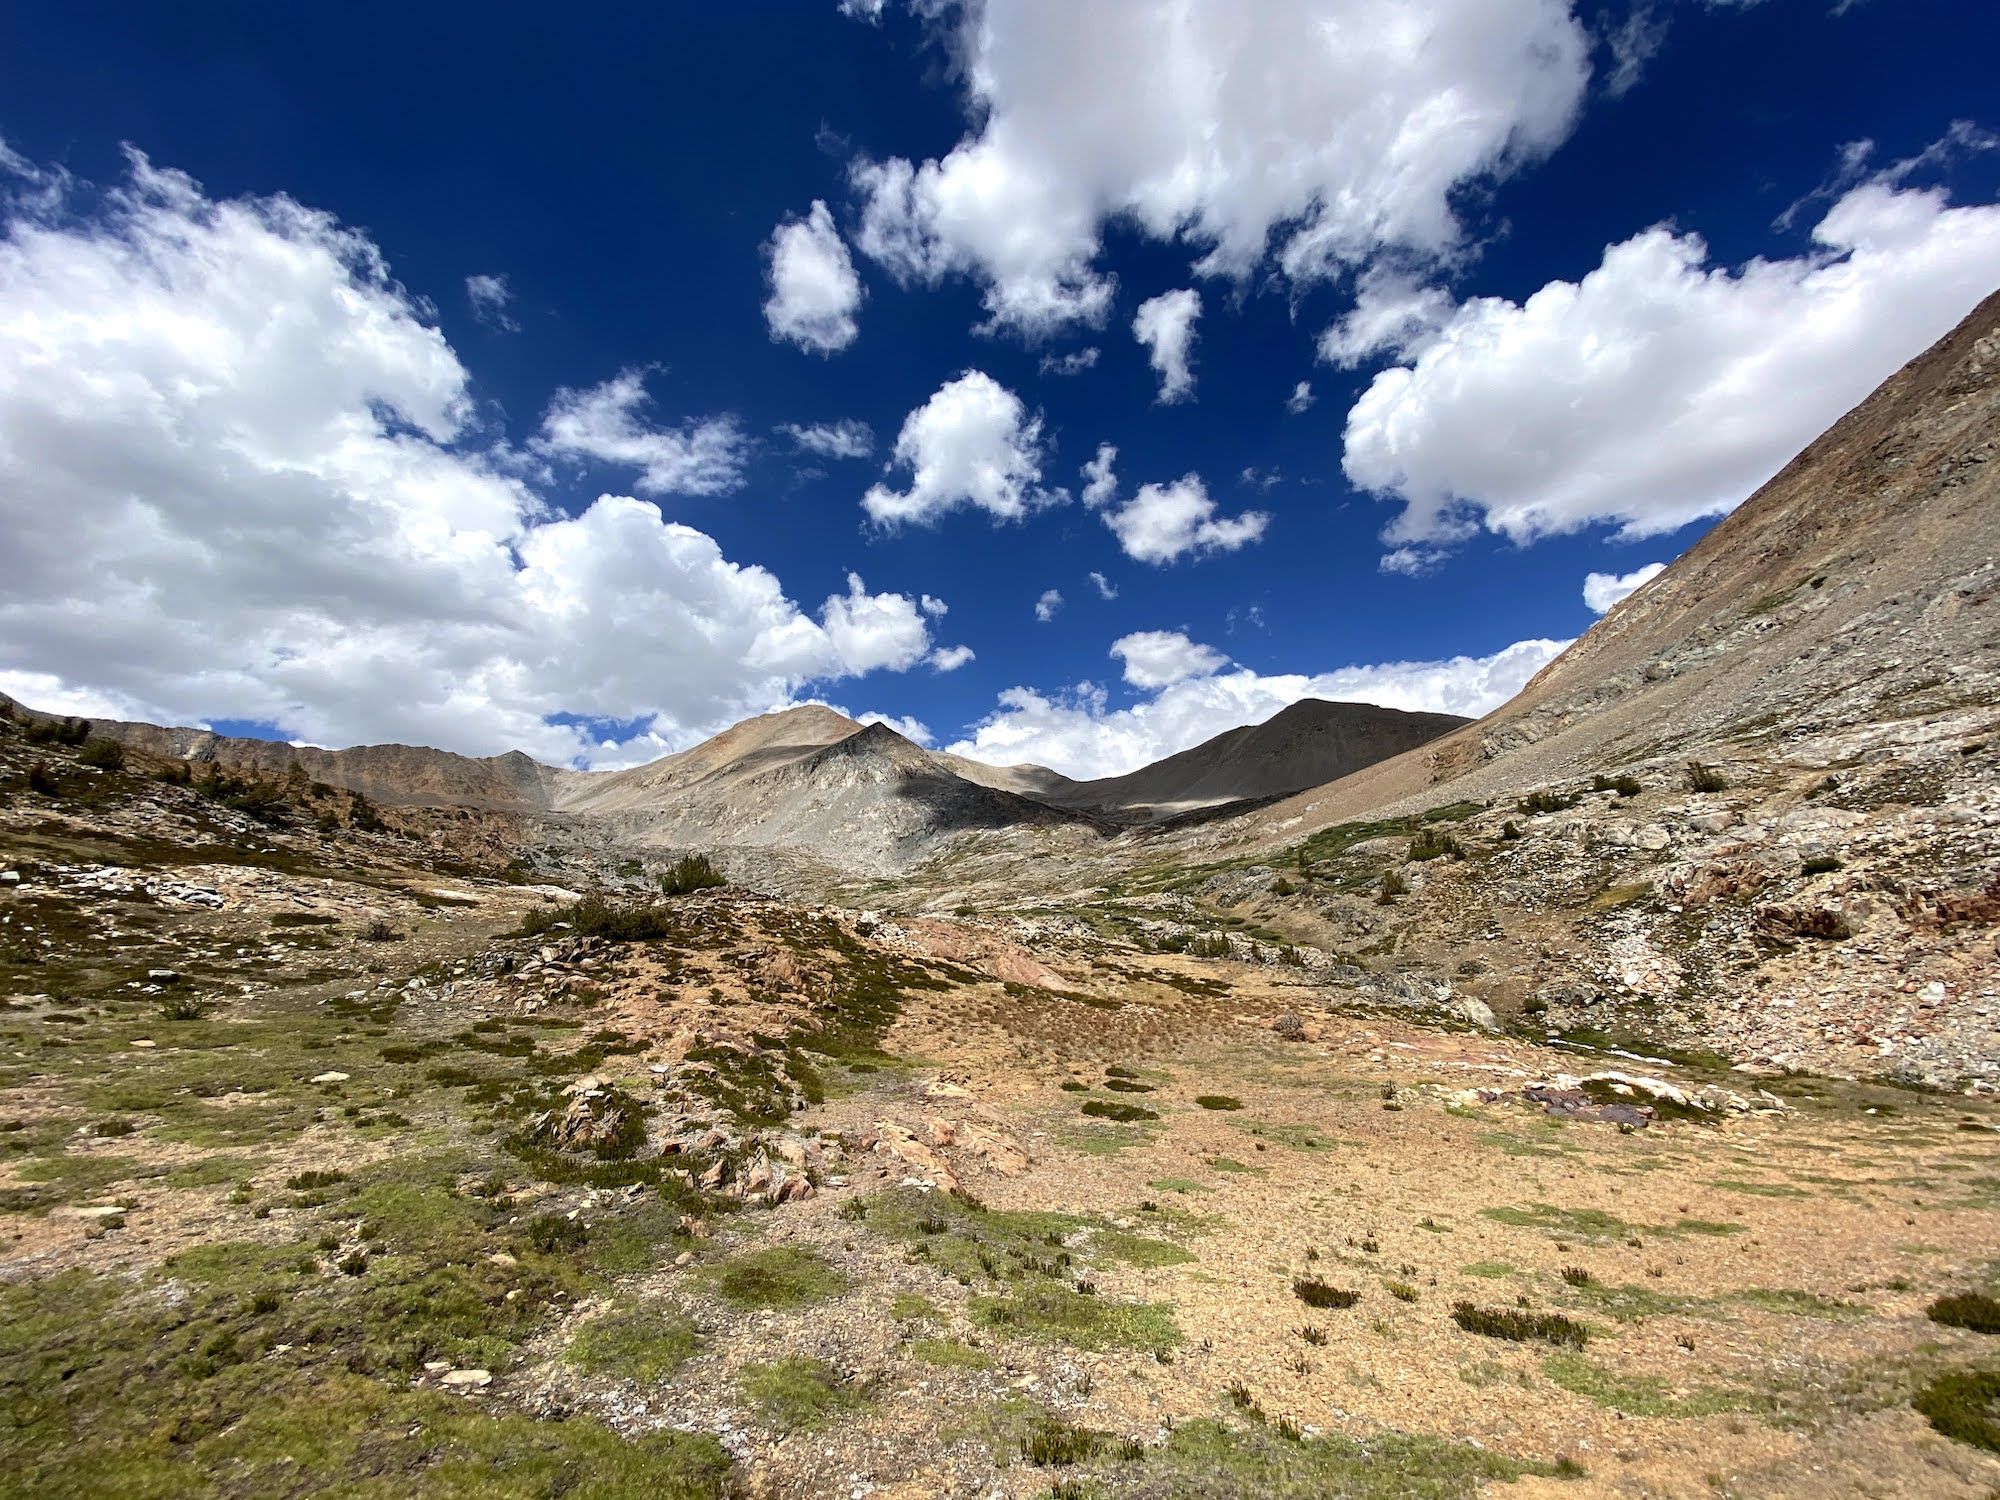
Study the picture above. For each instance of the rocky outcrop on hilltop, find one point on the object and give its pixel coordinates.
(393, 775)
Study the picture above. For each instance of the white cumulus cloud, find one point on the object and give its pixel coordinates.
(1160, 658)
(973, 443)
(1393, 313)
(1106, 589)
(606, 423)
(950, 658)
(1080, 734)
(1301, 398)
(1166, 522)
(815, 291)
(1165, 325)
(1047, 606)
(1602, 590)
(239, 480)
(1659, 388)
(1317, 132)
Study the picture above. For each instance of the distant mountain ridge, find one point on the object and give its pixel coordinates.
(860, 796)
(1304, 745)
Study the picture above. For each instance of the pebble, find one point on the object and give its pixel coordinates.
(328, 1078)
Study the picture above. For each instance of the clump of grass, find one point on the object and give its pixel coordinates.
(1053, 1444)
(1577, 1276)
(106, 755)
(1315, 1292)
(1430, 844)
(1519, 1326)
(553, 1234)
(950, 1354)
(1402, 1291)
(691, 872)
(1052, 1310)
(597, 916)
(1546, 801)
(1128, 1086)
(183, 1008)
(1962, 1404)
(1313, 1335)
(1111, 1109)
(643, 1344)
(1218, 1101)
(1393, 885)
(1819, 864)
(793, 1395)
(1974, 1311)
(307, 1181)
(1705, 778)
(781, 1276)
(1624, 786)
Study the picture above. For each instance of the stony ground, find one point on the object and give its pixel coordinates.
(345, 1159)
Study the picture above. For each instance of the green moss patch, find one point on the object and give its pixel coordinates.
(783, 1276)
(797, 1395)
(643, 1343)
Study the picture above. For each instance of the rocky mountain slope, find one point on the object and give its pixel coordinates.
(1755, 811)
(870, 802)
(1861, 585)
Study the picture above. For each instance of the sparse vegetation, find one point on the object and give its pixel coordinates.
(1429, 844)
(1111, 1109)
(1315, 1292)
(1518, 1325)
(1218, 1101)
(794, 1395)
(1965, 1405)
(1547, 801)
(690, 873)
(1705, 778)
(640, 1342)
(779, 1277)
(1974, 1311)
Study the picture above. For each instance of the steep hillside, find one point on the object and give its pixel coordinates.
(1858, 586)
(1755, 811)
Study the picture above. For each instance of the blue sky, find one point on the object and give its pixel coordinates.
(306, 411)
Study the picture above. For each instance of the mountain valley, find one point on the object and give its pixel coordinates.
(1595, 1098)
